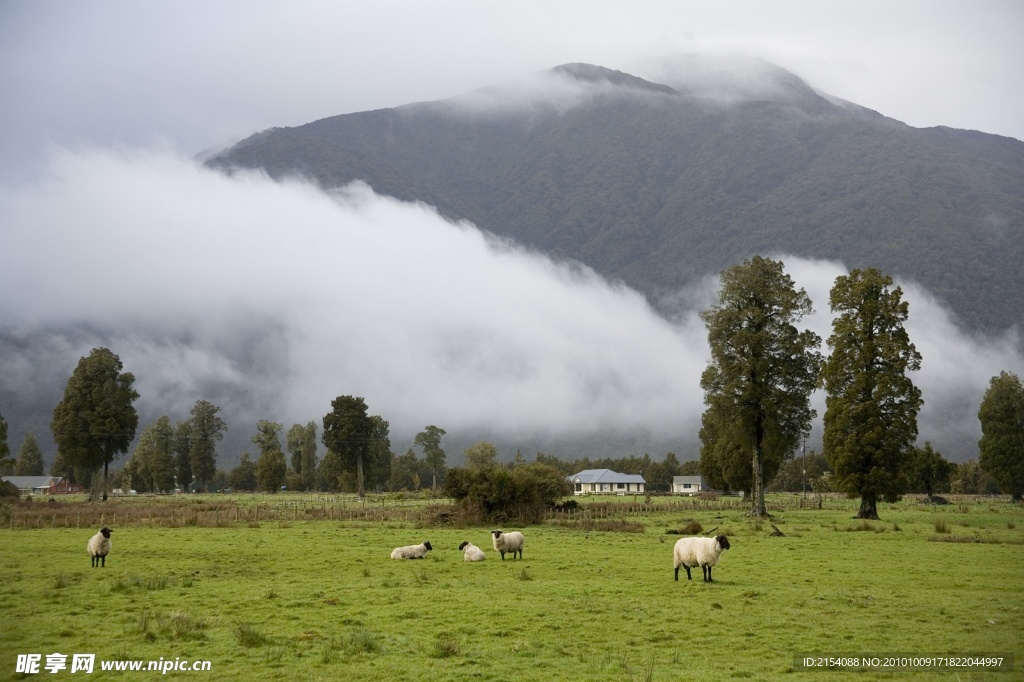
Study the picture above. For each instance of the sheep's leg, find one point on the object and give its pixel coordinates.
(688, 576)
(707, 573)
(677, 573)
(103, 560)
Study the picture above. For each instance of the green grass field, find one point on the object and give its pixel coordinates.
(309, 600)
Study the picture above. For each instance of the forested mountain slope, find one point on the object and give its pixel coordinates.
(660, 183)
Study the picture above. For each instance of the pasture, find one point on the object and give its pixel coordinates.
(294, 599)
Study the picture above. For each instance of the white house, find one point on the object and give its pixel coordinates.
(687, 485)
(606, 482)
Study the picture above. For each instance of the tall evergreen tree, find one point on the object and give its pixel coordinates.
(206, 428)
(301, 444)
(183, 453)
(1002, 433)
(96, 421)
(271, 469)
(871, 403)
(243, 476)
(380, 451)
(30, 458)
(430, 440)
(928, 471)
(6, 461)
(348, 433)
(758, 383)
(161, 460)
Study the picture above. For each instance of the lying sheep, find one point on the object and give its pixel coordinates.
(508, 543)
(703, 552)
(99, 547)
(471, 552)
(411, 551)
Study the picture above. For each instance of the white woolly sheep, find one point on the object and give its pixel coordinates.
(411, 551)
(99, 547)
(471, 552)
(703, 552)
(508, 543)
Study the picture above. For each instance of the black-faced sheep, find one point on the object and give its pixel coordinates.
(99, 547)
(411, 551)
(508, 543)
(471, 552)
(703, 552)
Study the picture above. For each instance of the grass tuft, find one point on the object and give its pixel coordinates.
(940, 526)
(445, 646)
(362, 641)
(248, 635)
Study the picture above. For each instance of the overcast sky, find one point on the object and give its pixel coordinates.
(271, 299)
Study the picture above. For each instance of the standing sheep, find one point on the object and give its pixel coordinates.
(99, 547)
(508, 543)
(471, 552)
(703, 552)
(411, 551)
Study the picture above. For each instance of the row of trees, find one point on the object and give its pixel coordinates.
(763, 369)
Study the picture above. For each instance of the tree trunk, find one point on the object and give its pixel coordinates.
(757, 507)
(359, 476)
(868, 508)
(105, 464)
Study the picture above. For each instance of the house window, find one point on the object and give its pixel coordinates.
(687, 485)
(621, 486)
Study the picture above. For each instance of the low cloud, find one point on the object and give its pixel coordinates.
(272, 298)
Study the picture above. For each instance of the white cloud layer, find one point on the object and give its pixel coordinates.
(271, 299)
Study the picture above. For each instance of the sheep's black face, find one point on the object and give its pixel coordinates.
(105, 532)
(496, 533)
(723, 541)
(463, 545)
(427, 545)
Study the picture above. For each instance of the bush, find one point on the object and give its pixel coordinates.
(498, 494)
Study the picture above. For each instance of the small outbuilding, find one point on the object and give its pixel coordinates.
(606, 482)
(687, 485)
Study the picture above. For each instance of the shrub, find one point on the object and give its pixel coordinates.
(498, 494)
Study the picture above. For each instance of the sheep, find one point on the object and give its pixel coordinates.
(99, 547)
(411, 551)
(471, 552)
(703, 552)
(508, 543)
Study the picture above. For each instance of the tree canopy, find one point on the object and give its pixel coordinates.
(430, 440)
(1002, 433)
(758, 383)
(348, 434)
(271, 469)
(871, 404)
(96, 421)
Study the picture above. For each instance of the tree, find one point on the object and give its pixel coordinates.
(348, 433)
(407, 472)
(1002, 433)
(6, 461)
(30, 458)
(758, 383)
(380, 452)
(481, 455)
(96, 421)
(243, 476)
(927, 471)
(161, 455)
(430, 440)
(205, 429)
(183, 453)
(271, 469)
(301, 443)
(801, 474)
(871, 403)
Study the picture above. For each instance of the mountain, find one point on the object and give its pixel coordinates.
(661, 182)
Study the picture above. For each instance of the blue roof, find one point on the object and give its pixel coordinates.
(605, 476)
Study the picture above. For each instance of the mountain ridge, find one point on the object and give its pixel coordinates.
(659, 182)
